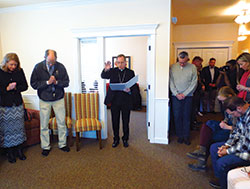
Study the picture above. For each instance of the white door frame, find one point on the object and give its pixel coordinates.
(121, 31)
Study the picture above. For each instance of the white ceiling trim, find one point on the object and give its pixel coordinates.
(53, 5)
(131, 30)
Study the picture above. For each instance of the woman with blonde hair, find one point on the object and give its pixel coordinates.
(211, 132)
(12, 83)
(244, 86)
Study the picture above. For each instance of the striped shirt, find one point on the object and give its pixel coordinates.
(239, 139)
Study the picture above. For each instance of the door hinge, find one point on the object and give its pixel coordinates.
(148, 87)
(149, 47)
(148, 124)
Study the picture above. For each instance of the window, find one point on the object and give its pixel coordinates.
(89, 63)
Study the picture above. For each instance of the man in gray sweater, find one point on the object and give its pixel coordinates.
(183, 82)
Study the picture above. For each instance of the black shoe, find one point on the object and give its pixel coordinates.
(180, 140)
(11, 156)
(20, 154)
(45, 152)
(187, 142)
(125, 143)
(115, 143)
(65, 149)
(197, 167)
(197, 154)
(215, 183)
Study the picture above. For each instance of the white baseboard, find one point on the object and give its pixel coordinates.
(159, 141)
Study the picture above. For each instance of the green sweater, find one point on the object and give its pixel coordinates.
(183, 79)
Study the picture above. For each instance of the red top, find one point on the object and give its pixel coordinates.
(243, 81)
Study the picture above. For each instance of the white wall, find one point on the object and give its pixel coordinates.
(136, 47)
(206, 32)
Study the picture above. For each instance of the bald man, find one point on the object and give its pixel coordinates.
(49, 78)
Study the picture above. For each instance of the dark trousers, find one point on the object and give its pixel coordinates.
(196, 105)
(222, 165)
(115, 112)
(182, 115)
(209, 98)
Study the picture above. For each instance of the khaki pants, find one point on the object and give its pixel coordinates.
(45, 110)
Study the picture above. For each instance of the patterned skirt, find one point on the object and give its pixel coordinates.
(12, 131)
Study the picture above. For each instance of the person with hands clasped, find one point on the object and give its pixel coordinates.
(235, 152)
(183, 82)
(49, 78)
(211, 132)
(121, 101)
(244, 86)
(12, 83)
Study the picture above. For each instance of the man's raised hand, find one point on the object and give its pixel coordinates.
(107, 65)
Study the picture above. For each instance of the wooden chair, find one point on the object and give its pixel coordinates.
(68, 117)
(32, 126)
(87, 116)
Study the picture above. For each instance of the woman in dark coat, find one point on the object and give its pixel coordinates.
(12, 83)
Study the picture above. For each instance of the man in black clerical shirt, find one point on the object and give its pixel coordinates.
(121, 101)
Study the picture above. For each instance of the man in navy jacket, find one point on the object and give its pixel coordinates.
(49, 78)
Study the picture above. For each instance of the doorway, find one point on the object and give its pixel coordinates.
(98, 36)
(135, 49)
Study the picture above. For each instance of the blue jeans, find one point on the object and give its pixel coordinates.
(182, 115)
(222, 165)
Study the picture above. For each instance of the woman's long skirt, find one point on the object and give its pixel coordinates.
(12, 131)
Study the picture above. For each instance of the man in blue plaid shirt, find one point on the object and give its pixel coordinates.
(236, 151)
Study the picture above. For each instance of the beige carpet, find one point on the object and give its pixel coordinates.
(141, 165)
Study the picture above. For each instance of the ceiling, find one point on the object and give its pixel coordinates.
(206, 11)
(186, 11)
(14, 3)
